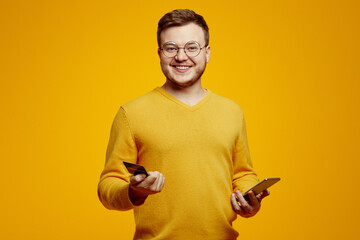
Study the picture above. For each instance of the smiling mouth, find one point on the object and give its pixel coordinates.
(182, 67)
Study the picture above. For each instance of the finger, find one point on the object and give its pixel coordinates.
(149, 181)
(235, 205)
(263, 194)
(163, 183)
(159, 182)
(254, 201)
(243, 203)
(266, 193)
(135, 179)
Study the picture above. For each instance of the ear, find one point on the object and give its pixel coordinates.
(207, 54)
(159, 53)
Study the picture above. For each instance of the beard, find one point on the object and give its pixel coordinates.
(171, 78)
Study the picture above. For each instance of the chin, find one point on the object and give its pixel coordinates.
(183, 84)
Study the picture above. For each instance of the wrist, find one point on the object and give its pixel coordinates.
(136, 197)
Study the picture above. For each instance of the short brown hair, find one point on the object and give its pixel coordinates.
(181, 17)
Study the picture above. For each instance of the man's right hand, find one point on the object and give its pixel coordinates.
(142, 186)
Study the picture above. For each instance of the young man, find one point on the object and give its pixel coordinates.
(188, 134)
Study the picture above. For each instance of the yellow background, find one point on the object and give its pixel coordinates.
(67, 66)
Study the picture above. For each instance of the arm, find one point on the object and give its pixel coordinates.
(244, 178)
(113, 188)
(244, 175)
(116, 189)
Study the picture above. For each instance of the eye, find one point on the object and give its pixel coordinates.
(192, 48)
(170, 48)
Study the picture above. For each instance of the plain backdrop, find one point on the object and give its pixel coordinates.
(67, 66)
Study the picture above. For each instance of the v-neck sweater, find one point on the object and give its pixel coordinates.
(202, 152)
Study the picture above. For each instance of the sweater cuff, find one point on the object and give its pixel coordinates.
(114, 195)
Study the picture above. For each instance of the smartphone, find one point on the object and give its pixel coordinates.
(261, 186)
(135, 168)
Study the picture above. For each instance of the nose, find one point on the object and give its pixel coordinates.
(181, 55)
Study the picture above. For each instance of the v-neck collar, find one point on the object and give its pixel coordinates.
(177, 101)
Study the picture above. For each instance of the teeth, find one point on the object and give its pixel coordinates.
(182, 67)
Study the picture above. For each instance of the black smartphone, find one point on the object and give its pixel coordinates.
(135, 168)
(260, 187)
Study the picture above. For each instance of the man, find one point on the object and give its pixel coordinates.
(188, 134)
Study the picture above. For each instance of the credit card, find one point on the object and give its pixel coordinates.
(135, 168)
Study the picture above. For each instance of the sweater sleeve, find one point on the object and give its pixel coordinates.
(113, 187)
(244, 175)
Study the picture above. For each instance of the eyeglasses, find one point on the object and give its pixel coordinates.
(191, 49)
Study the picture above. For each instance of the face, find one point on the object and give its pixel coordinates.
(181, 70)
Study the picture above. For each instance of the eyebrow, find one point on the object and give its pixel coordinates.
(171, 42)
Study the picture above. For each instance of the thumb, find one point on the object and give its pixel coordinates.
(263, 194)
(137, 178)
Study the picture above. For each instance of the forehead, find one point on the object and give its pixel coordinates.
(183, 34)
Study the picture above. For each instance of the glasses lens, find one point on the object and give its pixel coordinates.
(192, 49)
(170, 50)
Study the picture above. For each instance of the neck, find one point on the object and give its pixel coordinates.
(190, 95)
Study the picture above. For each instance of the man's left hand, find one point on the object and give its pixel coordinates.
(244, 208)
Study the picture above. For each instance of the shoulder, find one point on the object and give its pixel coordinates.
(226, 104)
(140, 107)
(145, 102)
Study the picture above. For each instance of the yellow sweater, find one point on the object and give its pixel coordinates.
(201, 150)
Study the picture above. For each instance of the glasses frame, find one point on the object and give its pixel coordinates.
(178, 48)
